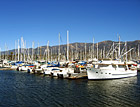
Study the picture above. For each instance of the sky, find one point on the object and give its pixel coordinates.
(40, 21)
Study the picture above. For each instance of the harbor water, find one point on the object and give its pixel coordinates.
(20, 89)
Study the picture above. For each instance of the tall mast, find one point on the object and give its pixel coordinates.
(51, 54)
(21, 48)
(59, 49)
(18, 49)
(90, 53)
(38, 52)
(24, 51)
(113, 51)
(130, 55)
(104, 52)
(85, 52)
(93, 48)
(72, 54)
(126, 50)
(15, 50)
(67, 45)
(32, 51)
(81, 55)
(138, 51)
(0, 53)
(76, 52)
(119, 48)
(28, 56)
(47, 52)
(101, 54)
(97, 51)
(5, 51)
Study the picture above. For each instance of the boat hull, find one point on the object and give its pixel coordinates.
(94, 73)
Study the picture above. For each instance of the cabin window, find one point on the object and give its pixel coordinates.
(82, 68)
(114, 66)
(103, 65)
(121, 66)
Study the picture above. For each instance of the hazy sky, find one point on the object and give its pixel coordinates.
(43, 20)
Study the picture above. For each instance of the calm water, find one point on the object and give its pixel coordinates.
(20, 89)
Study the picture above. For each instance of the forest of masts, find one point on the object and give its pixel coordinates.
(69, 52)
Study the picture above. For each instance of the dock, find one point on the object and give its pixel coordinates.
(78, 76)
(7, 69)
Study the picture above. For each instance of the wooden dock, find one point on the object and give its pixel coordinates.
(2, 69)
(78, 76)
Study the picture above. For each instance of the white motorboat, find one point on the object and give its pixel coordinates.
(65, 72)
(112, 70)
(48, 70)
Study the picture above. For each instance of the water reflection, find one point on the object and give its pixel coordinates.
(114, 92)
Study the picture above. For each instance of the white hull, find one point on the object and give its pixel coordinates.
(64, 72)
(14, 67)
(48, 71)
(94, 73)
(24, 68)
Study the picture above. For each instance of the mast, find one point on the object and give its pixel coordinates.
(72, 54)
(0, 53)
(85, 52)
(28, 56)
(24, 51)
(18, 49)
(81, 55)
(21, 48)
(138, 51)
(113, 51)
(67, 45)
(51, 53)
(104, 53)
(126, 51)
(89, 53)
(119, 48)
(101, 54)
(93, 49)
(130, 55)
(38, 51)
(47, 52)
(32, 51)
(97, 51)
(59, 49)
(15, 50)
(5, 51)
(76, 52)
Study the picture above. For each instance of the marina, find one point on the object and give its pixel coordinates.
(117, 62)
(69, 53)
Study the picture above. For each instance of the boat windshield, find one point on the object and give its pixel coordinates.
(121, 66)
(103, 65)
